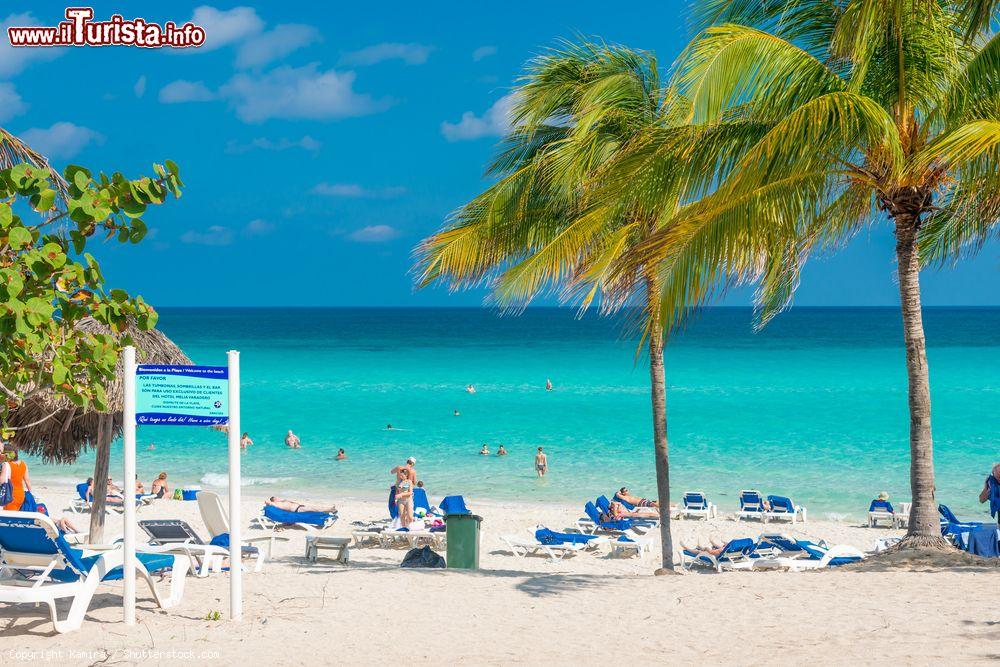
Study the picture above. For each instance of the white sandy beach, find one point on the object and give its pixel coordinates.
(586, 609)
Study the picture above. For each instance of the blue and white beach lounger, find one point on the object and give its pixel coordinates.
(40, 566)
(782, 508)
(751, 506)
(738, 554)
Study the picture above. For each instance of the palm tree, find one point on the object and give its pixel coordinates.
(878, 110)
(558, 218)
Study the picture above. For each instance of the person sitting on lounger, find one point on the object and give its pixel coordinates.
(624, 495)
(114, 494)
(293, 506)
(159, 488)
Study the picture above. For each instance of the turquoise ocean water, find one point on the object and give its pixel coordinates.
(814, 407)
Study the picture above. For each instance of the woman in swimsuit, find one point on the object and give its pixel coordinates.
(404, 501)
(15, 471)
(159, 487)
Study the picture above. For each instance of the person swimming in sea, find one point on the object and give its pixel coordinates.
(485, 451)
(501, 451)
(341, 455)
(471, 389)
(548, 384)
(292, 441)
(456, 413)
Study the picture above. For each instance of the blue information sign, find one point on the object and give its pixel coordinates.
(181, 395)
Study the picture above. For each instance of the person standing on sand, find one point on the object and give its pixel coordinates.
(408, 471)
(292, 440)
(991, 491)
(541, 463)
(15, 471)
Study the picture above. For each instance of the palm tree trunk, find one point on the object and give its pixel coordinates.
(102, 463)
(924, 528)
(658, 393)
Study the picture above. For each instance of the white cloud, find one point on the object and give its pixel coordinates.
(15, 60)
(484, 52)
(140, 86)
(306, 143)
(225, 26)
(374, 234)
(274, 44)
(495, 122)
(11, 103)
(185, 91)
(60, 141)
(304, 92)
(355, 191)
(258, 227)
(411, 54)
(216, 235)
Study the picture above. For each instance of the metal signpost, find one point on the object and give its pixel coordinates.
(183, 396)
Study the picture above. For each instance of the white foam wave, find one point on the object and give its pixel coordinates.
(221, 480)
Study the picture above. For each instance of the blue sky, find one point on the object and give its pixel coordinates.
(320, 142)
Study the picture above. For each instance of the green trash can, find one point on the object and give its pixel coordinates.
(462, 531)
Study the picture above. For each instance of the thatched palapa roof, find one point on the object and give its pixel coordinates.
(71, 430)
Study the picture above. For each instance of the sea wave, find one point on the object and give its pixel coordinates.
(221, 480)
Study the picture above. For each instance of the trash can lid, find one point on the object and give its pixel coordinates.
(470, 515)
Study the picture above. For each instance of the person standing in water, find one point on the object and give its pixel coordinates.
(341, 455)
(245, 441)
(548, 384)
(485, 451)
(502, 451)
(541, 463)
(292, 441)
(471, 389)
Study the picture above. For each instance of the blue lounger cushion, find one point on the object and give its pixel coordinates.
(880, 506)
(546, 536)
(278, 515)
(454, 505)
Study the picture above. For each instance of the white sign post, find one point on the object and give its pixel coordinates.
(235, 530)
(128, 564)
(183, 396)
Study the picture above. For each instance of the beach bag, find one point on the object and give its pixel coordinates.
(6, 489)
(423, 557)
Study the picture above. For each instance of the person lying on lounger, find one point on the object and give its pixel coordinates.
(617, 511)
(293, 506)
(624, 495)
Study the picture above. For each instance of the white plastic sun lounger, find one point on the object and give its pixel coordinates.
(216, 519)
(37, 565)
(176, 536)
(522, 546)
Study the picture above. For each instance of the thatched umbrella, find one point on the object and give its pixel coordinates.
(51, 426)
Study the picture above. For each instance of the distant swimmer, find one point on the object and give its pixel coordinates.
(501, 451)
(151, 447)
(485, 451)
(456, 413)
(471, 389)
(292, 441)
(541, 463)
(548, 384)
(245, 441)
(388, 427)
(341, 455)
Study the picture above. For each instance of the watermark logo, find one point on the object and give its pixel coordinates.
(79, 29)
